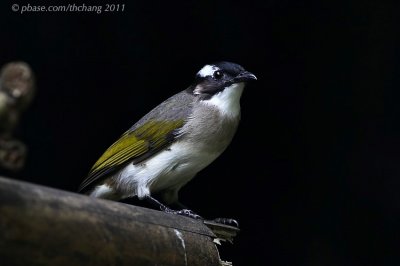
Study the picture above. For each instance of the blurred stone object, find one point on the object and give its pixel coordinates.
(17, 88)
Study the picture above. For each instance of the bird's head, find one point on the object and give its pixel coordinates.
(221, 84)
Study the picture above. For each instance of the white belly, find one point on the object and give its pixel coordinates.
(170, 168)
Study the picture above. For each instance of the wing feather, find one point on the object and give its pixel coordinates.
(134, 146)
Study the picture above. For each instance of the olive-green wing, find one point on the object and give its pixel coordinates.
(133, 146)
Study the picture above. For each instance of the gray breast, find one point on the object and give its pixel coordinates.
(209, 129)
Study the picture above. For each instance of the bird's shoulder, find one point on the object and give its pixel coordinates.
(149, 135)
(177, 107)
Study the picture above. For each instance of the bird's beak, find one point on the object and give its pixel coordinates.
(244, 76)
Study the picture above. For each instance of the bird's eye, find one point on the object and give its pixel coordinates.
(218, 74)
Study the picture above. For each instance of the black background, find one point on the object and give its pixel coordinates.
(313, 172)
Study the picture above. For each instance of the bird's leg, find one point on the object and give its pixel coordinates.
(184, 211)
(155, 203)
(158, 205)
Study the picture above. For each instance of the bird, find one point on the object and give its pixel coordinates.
(166, 148)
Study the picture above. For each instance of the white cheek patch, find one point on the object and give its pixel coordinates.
(228, 100)
(207, 70)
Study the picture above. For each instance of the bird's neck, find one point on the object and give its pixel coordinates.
(227, 101)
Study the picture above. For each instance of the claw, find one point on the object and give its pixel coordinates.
(227, 221)
(185, 212)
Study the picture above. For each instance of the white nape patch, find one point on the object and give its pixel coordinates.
(101, 191)
(228, 100)
(172, 167)
(207, 70)
(180, 237)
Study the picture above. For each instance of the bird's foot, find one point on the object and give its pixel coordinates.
(227, 221)
(185, 212)
(162, 207)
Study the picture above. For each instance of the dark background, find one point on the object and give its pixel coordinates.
(313, 172)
